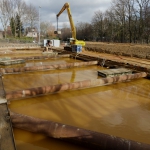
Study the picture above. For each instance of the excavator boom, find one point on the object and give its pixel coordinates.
(73, 40)
(73, 29)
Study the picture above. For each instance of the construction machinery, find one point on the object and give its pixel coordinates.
(71, 41)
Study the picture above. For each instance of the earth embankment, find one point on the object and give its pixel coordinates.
(130, 50)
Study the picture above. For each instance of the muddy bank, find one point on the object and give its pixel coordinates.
(130, 50)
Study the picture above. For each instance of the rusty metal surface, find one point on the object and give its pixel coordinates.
(46, 67)
(41, 57)
(113, 61)
(84, 57)
(6, 133)
(2, 91)
(114, 72)
(33, 92)
(110, 61)
(89, 139)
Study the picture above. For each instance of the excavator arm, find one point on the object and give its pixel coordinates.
(73, 29)
(73, 40)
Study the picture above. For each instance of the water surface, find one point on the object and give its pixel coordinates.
(121, 109)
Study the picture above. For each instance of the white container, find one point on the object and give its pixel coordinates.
(45, 41)
(55, 43)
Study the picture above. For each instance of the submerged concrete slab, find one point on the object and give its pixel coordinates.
(12, 62)
(49, 53)
(5, 58)
(114, 72)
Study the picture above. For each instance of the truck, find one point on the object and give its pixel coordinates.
(70, 41)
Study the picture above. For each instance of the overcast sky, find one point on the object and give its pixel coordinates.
(82, 10)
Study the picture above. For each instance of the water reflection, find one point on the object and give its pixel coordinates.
(50, 61)
(43, 78)
(31, 141)
(104, 109)
(121, 109)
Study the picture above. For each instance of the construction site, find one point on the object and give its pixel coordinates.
(60, 99)
(76, 95)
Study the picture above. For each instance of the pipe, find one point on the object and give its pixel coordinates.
(86, 138)
(46, 67)
(33, 92)
(42, 57)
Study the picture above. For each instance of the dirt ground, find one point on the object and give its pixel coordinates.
(128, 53)
(134, 54)
(131, 50)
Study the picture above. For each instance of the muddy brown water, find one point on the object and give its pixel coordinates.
(40, 62)
(121, 109)
(17, 54)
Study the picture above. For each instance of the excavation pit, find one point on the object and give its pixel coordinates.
(110, 109)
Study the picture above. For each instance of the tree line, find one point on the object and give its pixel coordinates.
(17, 14)
(125, 21)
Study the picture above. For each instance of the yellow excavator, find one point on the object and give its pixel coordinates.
(73, 40)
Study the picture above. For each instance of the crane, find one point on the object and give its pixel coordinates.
(73, 40)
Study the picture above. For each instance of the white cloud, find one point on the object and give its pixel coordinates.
(82, 11)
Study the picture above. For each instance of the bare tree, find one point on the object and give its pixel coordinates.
(129, 6)
(11, 10)
(4, 15)
(125, 21)
(147, 24)
(47, 29)
(84, 31)
(65, 32)
(31, 15)
(119, 9)
(111, 25)
(143, 11)
(98, 25)
(14, 8)
(21, 11)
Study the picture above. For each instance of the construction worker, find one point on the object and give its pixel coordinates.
(48, 45)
